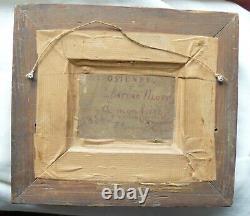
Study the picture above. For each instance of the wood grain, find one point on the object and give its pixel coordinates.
(29, 18)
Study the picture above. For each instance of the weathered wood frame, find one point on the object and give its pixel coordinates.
(29, 18)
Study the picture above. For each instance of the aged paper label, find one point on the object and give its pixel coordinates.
(126, 107)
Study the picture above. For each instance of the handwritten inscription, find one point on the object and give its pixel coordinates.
(126, 107)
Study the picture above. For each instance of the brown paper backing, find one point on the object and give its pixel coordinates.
(62, 154)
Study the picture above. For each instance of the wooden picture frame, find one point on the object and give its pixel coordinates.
(31, 18)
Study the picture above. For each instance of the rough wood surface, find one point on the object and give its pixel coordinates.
(29, 18)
